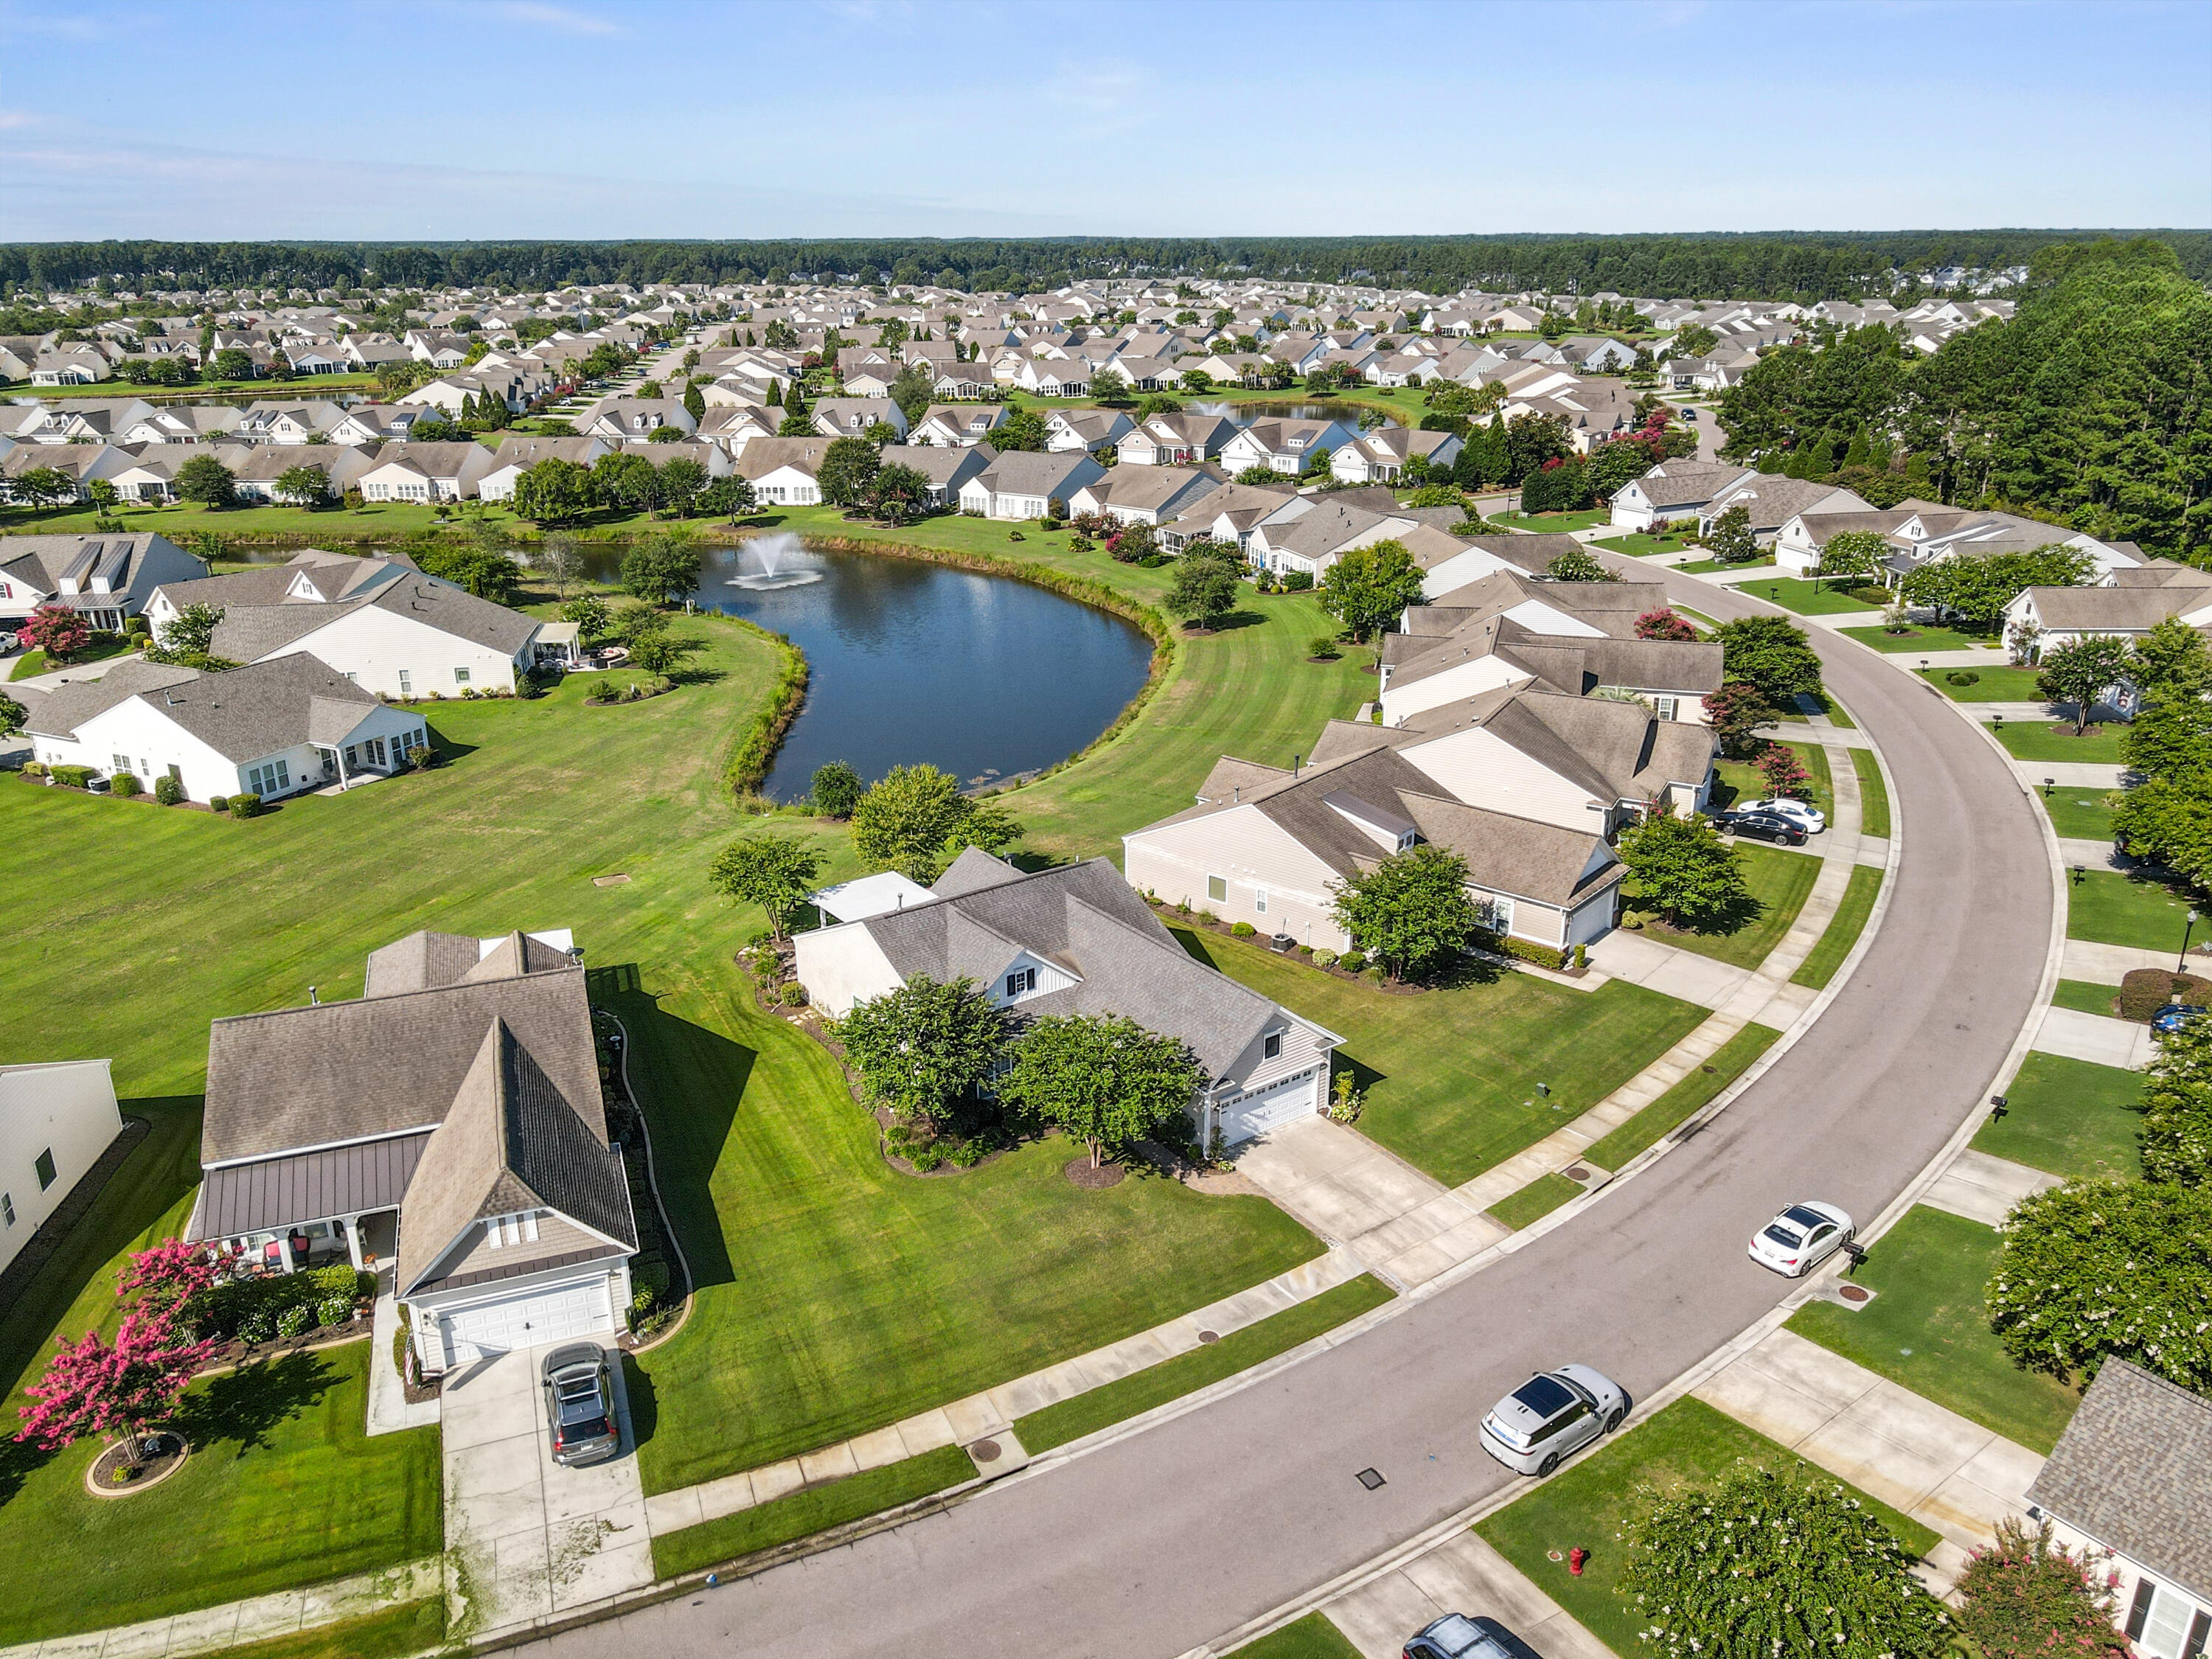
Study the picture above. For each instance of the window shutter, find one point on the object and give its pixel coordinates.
(2140, 1612)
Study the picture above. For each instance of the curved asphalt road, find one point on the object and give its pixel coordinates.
(1175, 1535)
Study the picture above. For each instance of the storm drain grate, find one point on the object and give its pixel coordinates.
(1209, 1336)
(984, 1451)
(1370, 1479)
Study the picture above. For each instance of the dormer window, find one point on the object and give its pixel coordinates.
(1020, 982)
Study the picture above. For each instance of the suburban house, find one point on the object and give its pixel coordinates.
(2129, 1485)
(1459, 561)
(381, 622)
(1087, 429)
(1270, 847)
(1922, 532)
(1315, 539)
(942, 423)
(447, 1122)
(1144, 495)
(1175, 439)
(255, 474)
(426, 471)
(269, 729)
(731, 427)
(784, 471)
(1077, 939)
(618, 418)
(2132, 603)
(947, 468)
(1770, 501)
(78, 464)
(1234, 514)
(57, 1120)
(851, 417)
(1022, 484)
(1283, 445)
(1380, 457)
(105, 579)
(152, 475)
(1673, 489)
(518, 451)
(1424, 670)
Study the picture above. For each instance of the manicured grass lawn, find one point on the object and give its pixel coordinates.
(301, 387)
(1928, 1329)
(1779, 882)
(2112, 908)
(1992, 684)
(2085, 998)
(1141, 1391)
(379, 520)
(1686, 1098)
(36, 662)
(410, 1627)
(1551, 521)
(1922, 639)
(2051, 740)
(1740, 781)
(1534, 1201)
(282, 1488)
(1851, 920)
(1638, 545)
(1605, 1495)
(2070, 1118)
(1451, 1074)
(1874, 793)
(1706, 567)
(1311, 1638)
(801, 1514)
(2080, 814)
(1807, 598)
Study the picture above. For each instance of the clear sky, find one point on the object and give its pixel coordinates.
(593, 118)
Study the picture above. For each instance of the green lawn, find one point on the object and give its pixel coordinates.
(2080, 814)
(1607, 1494)
(1534, 1201)
(1740, 781)
(1779, 882)
(1707, 567)
(1992, 684)
(1843, 933)
(1922, 639)
(1807, 598)
(1638, 545)
(406, 1628)
(2112, 908)
(1141, 1391)
(36, 662)
(1311, 1638)
(2070, 1118)
(2054, 740)
(1928, 1330)
(1874, 793)
(1686, 1098)
(1451, 1075)
(2085, 998)
(802, 1513)
(381, 520)
(282, 1488)
(1551, 521)
(301, 387)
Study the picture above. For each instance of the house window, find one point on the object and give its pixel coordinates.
(407, 683)
(1271, 1045)
(1217, 889)
(45, 1166)
(1666, 707)
(1021, 982)
(460, 677)
(122, 762)
(1501, 913)
(1259, 900)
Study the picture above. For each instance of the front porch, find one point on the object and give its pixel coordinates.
(366, 1239)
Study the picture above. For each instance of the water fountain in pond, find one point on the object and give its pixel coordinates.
(770, 552)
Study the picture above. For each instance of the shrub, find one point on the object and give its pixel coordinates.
(259, 1325)
(1352, 962)
(333, 1311)
(794, 994)
(167, 791)
(218, 803)
(1242, 930)
(1151, 561)
(1297, 582)
(1080, 543)
(73, 777)
(124, 783)
(2024, 1596)
(1872, 595)
(1325, 646)
(296, 1321)
(1528, 951)
(1963, 677)
(2143, 991)
(1324, 958)
(246, 806)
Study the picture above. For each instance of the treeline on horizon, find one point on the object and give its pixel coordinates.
(1804, 266)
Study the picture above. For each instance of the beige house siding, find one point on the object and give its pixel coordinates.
(1455, 684)
(1484, 770)
(1253, 856)
(842, 965)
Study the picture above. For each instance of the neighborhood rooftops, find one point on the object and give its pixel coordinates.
(242, 714)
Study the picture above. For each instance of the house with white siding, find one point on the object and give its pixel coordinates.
(56, 1118)
(520, 451)
(1022, 485)
(1426, 671)
(784, 471)
(425, 472)
(1144, 495)
(107, 579)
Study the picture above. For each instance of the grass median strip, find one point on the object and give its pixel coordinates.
(1873, 794)
(2083, 997)
(1687, 1097)
(1844, 930)
(2069, 1117)
(1311, 1638)
(802, 1513)
(1140, 1391)
(1534, 1201)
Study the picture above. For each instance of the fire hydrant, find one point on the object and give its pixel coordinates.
(1575, 1556)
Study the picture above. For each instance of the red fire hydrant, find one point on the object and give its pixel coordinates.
(1575, 1556)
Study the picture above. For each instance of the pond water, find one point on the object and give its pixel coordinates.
(983, 675)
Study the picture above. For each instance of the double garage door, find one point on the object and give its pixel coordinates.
(537, 1317)
(1297, 1097)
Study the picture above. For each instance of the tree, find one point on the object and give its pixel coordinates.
(1110, 386)
(1023, 429)
(623, 478)
(2170, 664)
(1558, 486)
(1411, 912)
(836, 789)
(207, 480)
(488, 574)
(897, 492)
(912, 390)
(232, 364)
(1853, 553)
(589, 612)
(731, 497)
(1758, 1564)
(1131, 542)
(1731, 541)
(1577, 566)
(1612, 465)
(2176, 1107)
(1531, 439)
(56, 630)
(12, 715)
(1975, 592)
(1785, 774)
(2095, 1268)
(42, 486)
(1100, 1078)
(1682, 867)
(2025, 1597)
(303, 485)
(1665, 624)
(683, 480)
(847, 468)
(1368, 587)
(1773, 653)
(104, 497)
(694, 401)
(2081, 671)
(1693, 340)
(908, 817)
(554, 491)
(661, 567)
(188, 635)
(773, 872)
(1203, 590)
(922, 1046)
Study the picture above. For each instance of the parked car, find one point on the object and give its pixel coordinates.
(1802, 1237)
(2172, 1016)
(580, 1404)
(7, 640)
(1687, 413)
(1551, 1415)
(1458, 1635)
(1788, 806)
(1762, 826)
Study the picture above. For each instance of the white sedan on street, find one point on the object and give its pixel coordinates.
(1801, 1239)
(1802, 813)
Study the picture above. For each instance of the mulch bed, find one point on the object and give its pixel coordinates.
(2065, 729)
(238, 1351)
(1080, 1174)
(99, 1481)
(1168, 913)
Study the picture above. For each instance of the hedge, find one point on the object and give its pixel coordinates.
(73, 777)
(2144, 991)
(755, 749)
(1543, 955)
(220, 1310)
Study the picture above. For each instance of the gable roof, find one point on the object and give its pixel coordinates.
(2134, 1471)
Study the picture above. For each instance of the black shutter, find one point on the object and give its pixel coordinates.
(2139, 1613)
(2199, 1628)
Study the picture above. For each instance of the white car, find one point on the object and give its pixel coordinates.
(1802, 813)
(1801, 1239)
(1550, 1416)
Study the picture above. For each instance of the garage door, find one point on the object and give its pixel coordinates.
(1296, 1098)
(525, 1321)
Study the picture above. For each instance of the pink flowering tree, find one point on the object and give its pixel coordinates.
(1665, 624)
(1785, 773)
(56, 630)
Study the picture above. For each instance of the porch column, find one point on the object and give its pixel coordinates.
(353, 1240)
(284, 1250)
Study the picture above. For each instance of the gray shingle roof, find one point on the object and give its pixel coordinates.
(59, 712)
(2134, 1471)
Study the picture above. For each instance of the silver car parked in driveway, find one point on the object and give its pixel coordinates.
(1551, 1416)
(579, 1404)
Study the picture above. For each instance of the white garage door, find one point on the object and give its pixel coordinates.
(1296, 1098)
(525, 1321)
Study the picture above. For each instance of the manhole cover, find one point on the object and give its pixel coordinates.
(1370, 1479)
(1209, 1336)
(1578, 1173)
(1855, 1293)
(984, 1451)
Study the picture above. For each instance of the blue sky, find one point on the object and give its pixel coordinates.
(590, 119)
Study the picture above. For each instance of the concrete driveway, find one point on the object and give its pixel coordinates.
(527, 1537)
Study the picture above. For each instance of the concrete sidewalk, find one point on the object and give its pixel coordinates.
(2098, 1038)
(1642, 960)
(1945, 1472)
(1985, 1189)
(388, 1410)
(2069, 775)
(2107, 964)
(1464, 1575)
(256, 1619)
